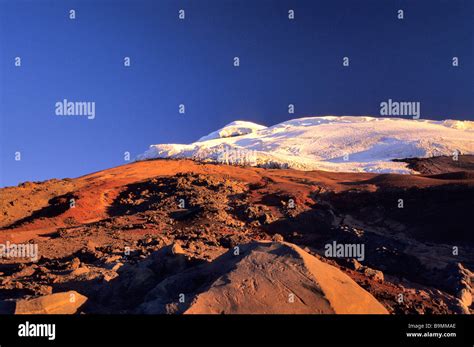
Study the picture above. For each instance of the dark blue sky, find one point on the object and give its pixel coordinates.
(191, 62)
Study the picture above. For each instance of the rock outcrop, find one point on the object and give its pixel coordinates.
(262, 277)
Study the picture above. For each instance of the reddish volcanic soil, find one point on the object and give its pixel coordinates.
(123, 237)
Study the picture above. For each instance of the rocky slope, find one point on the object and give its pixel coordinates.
(126, 237)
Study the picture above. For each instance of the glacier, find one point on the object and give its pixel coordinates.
(330, 143)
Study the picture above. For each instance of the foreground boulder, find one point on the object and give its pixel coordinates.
(264, 277)
(58, 303)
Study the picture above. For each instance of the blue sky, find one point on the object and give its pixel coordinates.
(191, 62)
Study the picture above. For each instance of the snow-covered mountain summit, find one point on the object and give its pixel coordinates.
(348, 143)
(236, 128)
